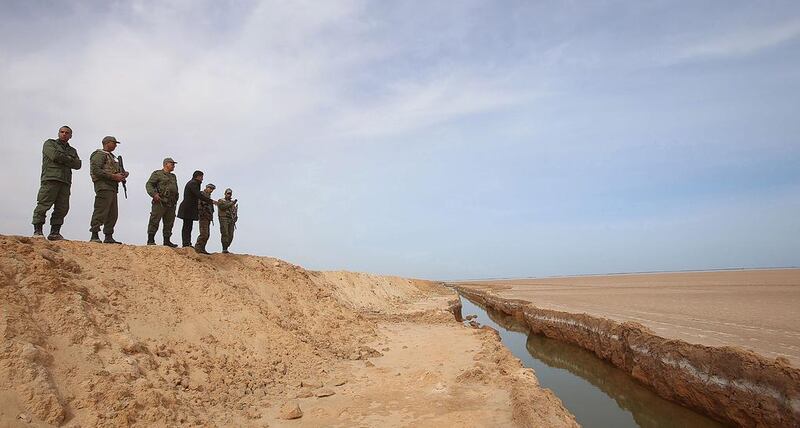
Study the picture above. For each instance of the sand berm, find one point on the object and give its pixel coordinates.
(104, 335)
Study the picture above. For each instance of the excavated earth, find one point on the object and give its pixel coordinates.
(728, 383)
(102, 335)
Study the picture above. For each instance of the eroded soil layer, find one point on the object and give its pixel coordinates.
(729, 384)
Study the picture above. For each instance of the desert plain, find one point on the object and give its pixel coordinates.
(758, 309)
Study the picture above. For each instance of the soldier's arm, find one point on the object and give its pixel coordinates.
(199, 194)
(55, 154)
(225, 204)
(150, 186)
(96, 161)
(195, 191)
(75, 161)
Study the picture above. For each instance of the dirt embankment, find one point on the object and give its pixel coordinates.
(729, 384)
(101, 335)
(751, 309)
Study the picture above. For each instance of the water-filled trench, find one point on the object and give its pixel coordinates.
(596, 392)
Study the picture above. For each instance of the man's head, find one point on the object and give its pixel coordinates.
(110, 143)
(64, 133)
(210, 188)
(169, 164)
(198, 175)
(228, 193)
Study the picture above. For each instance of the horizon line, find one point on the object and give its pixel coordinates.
(622, 273)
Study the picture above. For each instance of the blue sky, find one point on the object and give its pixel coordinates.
(454, 139)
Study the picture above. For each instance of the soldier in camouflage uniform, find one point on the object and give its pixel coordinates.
(58, 161)
(106, 175)
(162, 186)
(205, 212)
(228, 215)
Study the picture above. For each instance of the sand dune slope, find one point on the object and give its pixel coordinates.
(100, 335)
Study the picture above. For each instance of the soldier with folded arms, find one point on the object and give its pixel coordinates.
(58, 161)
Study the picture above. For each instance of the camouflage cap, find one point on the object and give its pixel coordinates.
(110, 139)
(211, 186)
(228, 190)
(168, 160)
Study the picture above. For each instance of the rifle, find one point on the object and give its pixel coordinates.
(122, 170)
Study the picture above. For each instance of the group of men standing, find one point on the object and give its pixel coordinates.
(228, 215)
(58, 161)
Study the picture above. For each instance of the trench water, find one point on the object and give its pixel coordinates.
(596, 392)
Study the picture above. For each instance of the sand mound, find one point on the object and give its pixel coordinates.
(113, 336)
(372, 292)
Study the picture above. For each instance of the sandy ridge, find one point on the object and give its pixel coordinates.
(98, 335)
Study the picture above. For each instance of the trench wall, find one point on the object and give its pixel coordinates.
(726, 383)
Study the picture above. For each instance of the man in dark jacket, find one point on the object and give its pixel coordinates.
(188, 211)
(58, 161)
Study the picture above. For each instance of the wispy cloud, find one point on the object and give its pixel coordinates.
(412, 106)
(740, 42)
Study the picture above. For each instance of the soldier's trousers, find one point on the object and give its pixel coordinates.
(226, 229)
(205, 232)
(105, 212)
(52, 193)
(159, 212)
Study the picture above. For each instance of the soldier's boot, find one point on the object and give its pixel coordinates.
(110, 240)
(169, 243)
(151, 239)
(201, 250)
(37, 231)
(95, 237)
(55, 233)
(225, 249)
